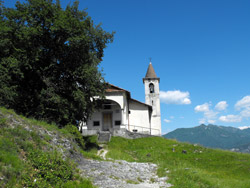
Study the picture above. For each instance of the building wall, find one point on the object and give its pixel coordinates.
(116, 112)
(154, 100)
(139, 117)
(121, 99)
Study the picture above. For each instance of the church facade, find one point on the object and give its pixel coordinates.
(119, 111)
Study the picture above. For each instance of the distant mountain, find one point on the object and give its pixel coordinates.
(214, 136)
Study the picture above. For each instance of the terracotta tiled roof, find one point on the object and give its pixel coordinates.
(113, 88)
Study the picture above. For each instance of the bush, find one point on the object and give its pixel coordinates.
(49, 169)
(76, 135)
(2, 122)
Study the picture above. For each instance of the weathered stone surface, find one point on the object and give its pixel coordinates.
(130, 135)
(104, 137)
(122, 174)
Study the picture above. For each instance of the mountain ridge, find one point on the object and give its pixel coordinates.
(214, 136)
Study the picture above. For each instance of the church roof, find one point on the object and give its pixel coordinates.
(150, 72)
(142, 103)
(113, 88)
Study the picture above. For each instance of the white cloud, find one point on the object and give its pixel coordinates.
(244, 127)
(202, 108)
(167, 120)
(222, 105)
(171, 117)
(244, 106)
(245, 113)
(209, 115)
(243, 103)
(211, 121)
(230, 118)
(175, 97)
(202, 121)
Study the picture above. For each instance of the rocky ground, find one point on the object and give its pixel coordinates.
(122, 174)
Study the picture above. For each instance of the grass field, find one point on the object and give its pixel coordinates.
(198, 167)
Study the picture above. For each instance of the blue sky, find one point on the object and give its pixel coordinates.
(199, 49)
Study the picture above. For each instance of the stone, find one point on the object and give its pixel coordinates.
(184, 151)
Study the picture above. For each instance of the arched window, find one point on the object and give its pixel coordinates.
(151, 88)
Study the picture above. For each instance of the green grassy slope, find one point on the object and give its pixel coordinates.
(33, 154)
(199, 167)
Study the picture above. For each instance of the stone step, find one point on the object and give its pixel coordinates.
(104, 137)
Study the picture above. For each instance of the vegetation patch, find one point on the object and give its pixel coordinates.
(29, 159)
(196, 167)
(132, 182)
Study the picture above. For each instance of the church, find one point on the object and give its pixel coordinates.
(119, 112)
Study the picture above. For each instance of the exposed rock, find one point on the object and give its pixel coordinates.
(122, 174)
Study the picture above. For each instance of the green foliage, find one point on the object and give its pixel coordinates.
(28, 160)
(2, 122)
(49, 62)
(49, 169)
(199, 167)
(76, 135)
(91, 147)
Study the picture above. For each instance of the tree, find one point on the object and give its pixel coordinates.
(49, 61)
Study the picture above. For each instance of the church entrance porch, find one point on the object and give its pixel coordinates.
(106, 118)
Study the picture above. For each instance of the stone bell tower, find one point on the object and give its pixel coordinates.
(152, 97)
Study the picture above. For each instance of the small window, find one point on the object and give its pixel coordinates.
(117, 122)
(151, 88)
(117, 111)
(96, 123)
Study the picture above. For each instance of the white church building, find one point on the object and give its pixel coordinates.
(119, 112)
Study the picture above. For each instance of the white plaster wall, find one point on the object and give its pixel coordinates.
(98, 116)
(156, 125)
(121, 99)
(155, 97)
(139, 116)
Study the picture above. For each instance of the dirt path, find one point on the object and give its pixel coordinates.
(122, 174)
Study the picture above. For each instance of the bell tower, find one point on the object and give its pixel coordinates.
(152, 97)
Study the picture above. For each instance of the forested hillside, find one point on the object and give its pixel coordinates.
(213, 136)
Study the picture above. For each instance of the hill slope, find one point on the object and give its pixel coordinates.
(214, 136)
(35, 154)
(186, 165)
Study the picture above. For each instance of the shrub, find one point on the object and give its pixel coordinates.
(76, 135)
